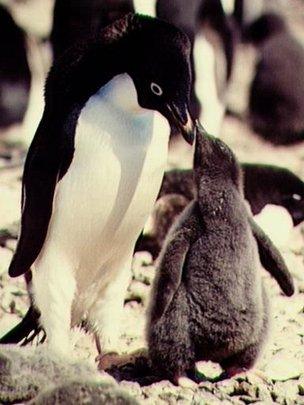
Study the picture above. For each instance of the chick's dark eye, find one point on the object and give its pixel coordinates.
(156, 89)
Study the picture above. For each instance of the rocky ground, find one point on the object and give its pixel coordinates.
(28, 374)
(282, 363)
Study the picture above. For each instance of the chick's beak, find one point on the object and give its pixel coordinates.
(180, 117)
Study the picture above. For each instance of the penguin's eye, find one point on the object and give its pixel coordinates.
(297, 197)
(156, 89)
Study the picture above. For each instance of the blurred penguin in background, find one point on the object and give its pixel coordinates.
(276, 101)
(184, 16)
(190, 17)
(77, 20)
(15, 76)
(246, 11)
(33, 19)
(279, 187)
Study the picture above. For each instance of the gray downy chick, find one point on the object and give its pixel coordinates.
(208, 300)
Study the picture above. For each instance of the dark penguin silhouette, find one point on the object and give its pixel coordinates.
(189, 16)
(94, 170)
(74, 21)
(15, 76)
(246, 11)
(212, 12)
(208, 300)
(263, 184)
(276, 101)
(238, 13)
(185, 16)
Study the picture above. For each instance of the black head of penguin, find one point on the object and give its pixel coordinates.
(214, 163)
(161, 71)
(266, 184)
(155, 54)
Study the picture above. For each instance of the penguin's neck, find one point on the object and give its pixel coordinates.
(115, 111)
(120, 93)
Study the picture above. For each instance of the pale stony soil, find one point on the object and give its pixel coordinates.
(29, 374)
(282, 363)
(283, 360)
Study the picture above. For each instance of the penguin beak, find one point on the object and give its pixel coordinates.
(180, 117)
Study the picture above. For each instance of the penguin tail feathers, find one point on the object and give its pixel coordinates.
(26, 330)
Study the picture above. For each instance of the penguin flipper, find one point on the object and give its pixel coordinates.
(170, 275)
(41, 173)
(272, 260)
(172, 259)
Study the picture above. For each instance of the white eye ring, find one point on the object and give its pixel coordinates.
(297, 197)
(156, 89)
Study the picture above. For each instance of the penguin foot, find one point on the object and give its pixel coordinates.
(112, 359)
(231, 372)
(107, 360)
(196, 376)
(39, 333)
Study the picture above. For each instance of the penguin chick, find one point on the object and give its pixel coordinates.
(276, 102)
(208, 300)
(279, 186)
(94, 169)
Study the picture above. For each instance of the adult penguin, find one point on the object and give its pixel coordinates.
(94, 169)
